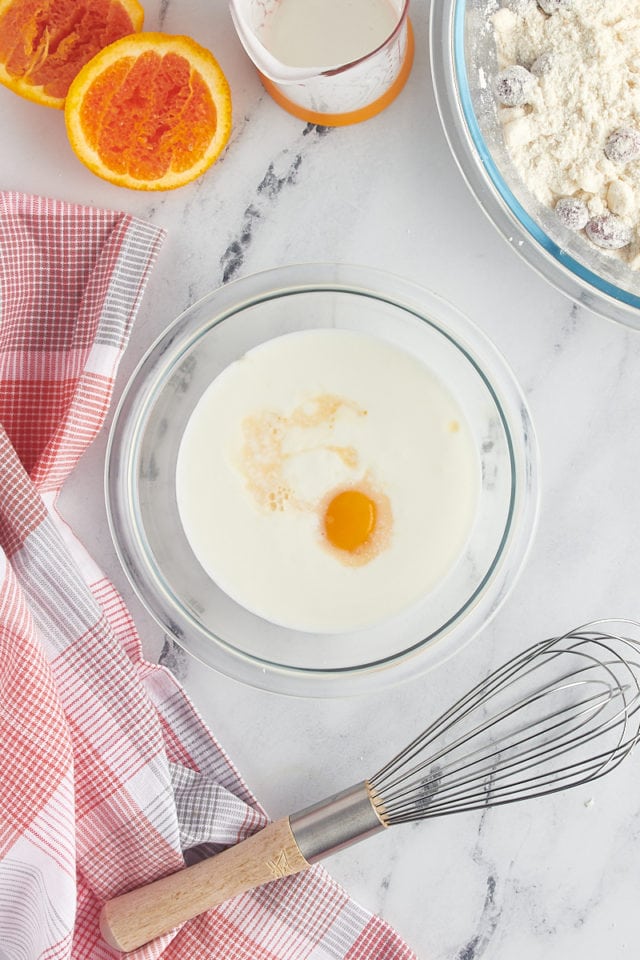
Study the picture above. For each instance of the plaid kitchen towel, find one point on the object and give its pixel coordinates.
(106, 772)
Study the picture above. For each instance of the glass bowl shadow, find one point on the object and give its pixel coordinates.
(141, 492)
(463, 60)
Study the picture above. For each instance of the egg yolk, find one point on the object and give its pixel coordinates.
(349, 520)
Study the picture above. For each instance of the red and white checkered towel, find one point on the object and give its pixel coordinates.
(106, 771)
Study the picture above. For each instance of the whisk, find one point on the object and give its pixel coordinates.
(563, 712)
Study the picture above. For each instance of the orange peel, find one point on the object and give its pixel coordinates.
(44, 43)
(151, 111)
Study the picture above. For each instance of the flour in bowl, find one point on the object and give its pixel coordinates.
(569, 97)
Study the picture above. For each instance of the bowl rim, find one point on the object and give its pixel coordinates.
(470, 618)
(490, 190)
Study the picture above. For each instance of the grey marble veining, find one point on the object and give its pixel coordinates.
(554, 878)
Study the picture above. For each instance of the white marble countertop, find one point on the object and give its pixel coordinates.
(557, 877)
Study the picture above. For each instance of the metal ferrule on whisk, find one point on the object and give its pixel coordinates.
(337, 822)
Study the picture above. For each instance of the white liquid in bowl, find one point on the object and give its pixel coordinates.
(327, 480)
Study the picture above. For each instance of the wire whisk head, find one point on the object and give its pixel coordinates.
(561, 713)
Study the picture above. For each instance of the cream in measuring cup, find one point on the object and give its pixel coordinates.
(332, 62)
(305, 33)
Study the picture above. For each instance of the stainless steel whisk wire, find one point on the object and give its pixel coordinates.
(460, 787)
(560, 714)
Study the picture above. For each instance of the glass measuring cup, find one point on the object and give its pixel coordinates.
(331, 93)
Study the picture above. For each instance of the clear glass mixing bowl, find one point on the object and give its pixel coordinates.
(141, 469)
(463, 60)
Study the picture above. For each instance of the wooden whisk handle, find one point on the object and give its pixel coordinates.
(283, 848)
(134, 918)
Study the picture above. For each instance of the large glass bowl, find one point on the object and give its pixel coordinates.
(463, 57)
(141, 470)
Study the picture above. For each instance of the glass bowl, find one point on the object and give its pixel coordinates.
(463, 59)
(141, 479)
